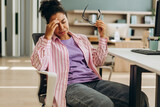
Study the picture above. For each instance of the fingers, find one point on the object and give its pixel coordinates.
(53, 23)
(51, 28)
(101, 27)
(100, 23)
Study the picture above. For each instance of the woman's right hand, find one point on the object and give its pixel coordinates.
(50, 28)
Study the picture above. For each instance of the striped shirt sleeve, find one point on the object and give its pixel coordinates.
(41, 53)
(99, 55)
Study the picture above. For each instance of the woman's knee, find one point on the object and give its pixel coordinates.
(106, 103)
(79, 95)
(99, 101)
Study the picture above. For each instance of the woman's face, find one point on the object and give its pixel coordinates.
(63, 26)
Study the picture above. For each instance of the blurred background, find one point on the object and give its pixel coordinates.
(19, 19)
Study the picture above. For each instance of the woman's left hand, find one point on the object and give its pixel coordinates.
(101, 28)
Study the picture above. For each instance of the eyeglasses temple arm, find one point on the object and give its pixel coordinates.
(99, 14)
(84, 12)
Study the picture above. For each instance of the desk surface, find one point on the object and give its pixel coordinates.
(150, 62)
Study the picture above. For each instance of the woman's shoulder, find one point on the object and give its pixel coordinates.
(79, 36)
(82, 36)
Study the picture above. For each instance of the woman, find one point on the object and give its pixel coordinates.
(74, 60)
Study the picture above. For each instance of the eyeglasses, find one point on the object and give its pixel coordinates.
(86, 19)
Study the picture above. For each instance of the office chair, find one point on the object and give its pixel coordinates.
(107, 65)
(47, 85)
(47, 81)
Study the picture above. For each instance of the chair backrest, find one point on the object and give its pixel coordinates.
(36, 36)
(43, 80)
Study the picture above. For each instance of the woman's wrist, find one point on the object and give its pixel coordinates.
(103, 36)
(47, 37)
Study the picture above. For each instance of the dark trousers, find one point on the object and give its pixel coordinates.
(100, 93)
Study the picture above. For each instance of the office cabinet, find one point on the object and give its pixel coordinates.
(122, 65)
(78, 25)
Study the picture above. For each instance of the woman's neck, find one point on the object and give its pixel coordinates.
(65, 37)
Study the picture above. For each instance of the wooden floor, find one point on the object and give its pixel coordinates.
(19, 83)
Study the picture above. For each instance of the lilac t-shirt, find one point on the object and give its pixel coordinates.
(79, 72)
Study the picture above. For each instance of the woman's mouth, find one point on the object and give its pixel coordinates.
(62, 33)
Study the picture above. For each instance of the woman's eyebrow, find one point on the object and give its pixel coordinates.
(62, 20)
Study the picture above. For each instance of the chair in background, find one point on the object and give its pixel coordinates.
(107, 65)
(47, 81)
(122, 30)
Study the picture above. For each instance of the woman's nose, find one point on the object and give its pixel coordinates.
(60, 26)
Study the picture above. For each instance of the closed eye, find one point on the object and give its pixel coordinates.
(63, 21)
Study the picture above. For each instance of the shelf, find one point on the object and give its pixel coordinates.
(110, 17)
(94, 38)
(141, 13)
(153, 38)
(96, 11)
(140, 37)
(135, 37)
(132, 37)
(141, 25)
(112, 12)
(81, 11)
(130, 25)
(82, 24)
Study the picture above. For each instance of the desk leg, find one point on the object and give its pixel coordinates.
(157, 103)
(135, 87)
(100, 72)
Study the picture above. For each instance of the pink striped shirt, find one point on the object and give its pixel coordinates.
(53, 56)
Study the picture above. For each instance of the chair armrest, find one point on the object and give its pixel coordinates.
(51, 83)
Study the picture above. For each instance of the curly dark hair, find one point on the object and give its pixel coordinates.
(49, 8)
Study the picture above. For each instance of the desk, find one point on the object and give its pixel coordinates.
(141, 63)
(122, 65)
